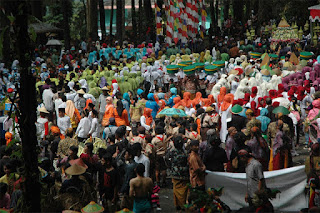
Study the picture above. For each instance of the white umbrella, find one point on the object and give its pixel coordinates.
(54, 42)
(283, 102)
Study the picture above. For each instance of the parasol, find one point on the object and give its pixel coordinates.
(173, 112)
(54, 42)
(281, 109)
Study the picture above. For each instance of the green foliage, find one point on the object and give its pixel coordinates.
(78, 22)
(54, 16)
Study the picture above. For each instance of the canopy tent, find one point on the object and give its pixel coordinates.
(314, 13)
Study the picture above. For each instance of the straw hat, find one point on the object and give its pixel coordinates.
(209, 109)
(248, 71)
(235, 72)
(81, 92)
(75, 169)
(79, 162)
(105, 88)
(265, 72)
(277, 71)
(43, 109)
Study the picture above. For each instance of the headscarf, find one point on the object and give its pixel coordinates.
(174, 91)
(259, 104)
(186, 100)
(300, 92)
(162, 106)
(126, 97)
(253, 105)
(246, 98)
(306, 85)
(206, 102)
(177, 102)
(139, 91)
(71, 85)
(211, 99)
(227, 101)
(315, 110)
(8, 136)
(70, 108)
(147, 114)
(254, 92)
(197, 99)
(223, 92)
(273, 94)
(280, 89)
(150, 97)
(88, 101)
(264, 119)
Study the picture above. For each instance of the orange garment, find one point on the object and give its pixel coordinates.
(198, 122)
(121, 120)
(87, 104)
(186, 102)
(8, 137)
(206, 102)
(162, 106)
(196, 170)
(197, 99)
(73, 113)
(223, 92)
(147, 114)
(56, 130)
(107, 114)
(177, 102)
(227, 101)
(210, 97)
(156, 98)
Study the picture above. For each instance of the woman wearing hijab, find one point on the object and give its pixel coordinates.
(73, 113)
(121, 115)
(177, 102)
(220, 98)
(126, 103)
(197, 99)
(162, 105)
(146, 119)
(226, 115)
(265, 120)
(174, 92)
(152, 104)
(115, 87)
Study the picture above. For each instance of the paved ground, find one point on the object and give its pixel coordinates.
(166, 194)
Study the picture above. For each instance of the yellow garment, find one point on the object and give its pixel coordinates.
(180, 192)
(271, 160)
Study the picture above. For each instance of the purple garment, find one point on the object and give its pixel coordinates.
(103, 82)
(300, 82)
(285, 80)
(286, 87)
(277, 143)
(316, 85)
(230, 145)
(257, 150)
(313, 75)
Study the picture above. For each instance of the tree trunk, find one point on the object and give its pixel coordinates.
(6, 53)
(226, 9)
(85, 20)
(140, 21)
(237, 10)
(102, 19)
(248, 10)
(148, 17)
(92, 19)
(111, 18)
(213, 20)
(66, 7)
(119, 12)
(134, 24)
(27, 106)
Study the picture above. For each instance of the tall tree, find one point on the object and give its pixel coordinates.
(217, 14)
(226, 9)
(5, 39)
(133, 16)
(27, 106)
(248, 10)
(102, 19)
(140, 20)
(148, 17)
(66, 7)
(119, 12)
(111, 17)
(238, 10)
(92, 19)
(213, 20)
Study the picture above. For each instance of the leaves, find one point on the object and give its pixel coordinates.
(11, 19)
(33, 34)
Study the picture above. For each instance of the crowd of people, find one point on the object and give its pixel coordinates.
(102, 137)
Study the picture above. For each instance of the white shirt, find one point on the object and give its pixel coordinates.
(40, 125)
(143, 123)
(94, 131)
(57, 103)
(47, 98)
(102, 103)
(64, 123)
(145, 161)
(71, 96)
(83, 127)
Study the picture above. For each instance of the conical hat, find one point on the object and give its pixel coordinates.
(92, 207)
(75, 169)
(265, 72)
(43, 109)
(235, 72)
